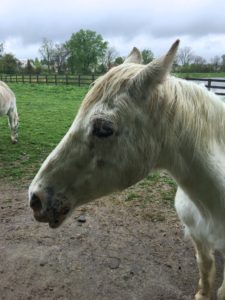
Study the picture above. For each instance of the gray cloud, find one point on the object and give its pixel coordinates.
(24, 24)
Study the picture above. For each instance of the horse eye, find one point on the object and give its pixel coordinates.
(102, 128)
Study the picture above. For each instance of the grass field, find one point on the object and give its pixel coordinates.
(46, 112)
(201, 75)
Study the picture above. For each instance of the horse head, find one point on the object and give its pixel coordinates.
(110, 144)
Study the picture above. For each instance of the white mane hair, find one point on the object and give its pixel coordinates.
(200, 112)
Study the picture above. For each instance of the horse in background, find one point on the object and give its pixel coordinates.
(8, 107)
(134, 119)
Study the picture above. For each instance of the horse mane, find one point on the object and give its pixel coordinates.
(196, 115)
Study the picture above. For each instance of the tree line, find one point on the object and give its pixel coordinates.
(186, 61)
(87, 52)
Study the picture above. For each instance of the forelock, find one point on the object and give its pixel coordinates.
(111, 83)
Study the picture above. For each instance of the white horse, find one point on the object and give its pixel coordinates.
(134, 119)
(8, 107)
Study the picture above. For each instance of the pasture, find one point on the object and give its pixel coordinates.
(45, 113)
(130, 245)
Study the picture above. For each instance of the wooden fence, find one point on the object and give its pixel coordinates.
(216, 85)
(50, 79)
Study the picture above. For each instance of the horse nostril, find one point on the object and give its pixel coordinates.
(35, 203)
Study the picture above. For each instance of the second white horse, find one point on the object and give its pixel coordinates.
(8, 107)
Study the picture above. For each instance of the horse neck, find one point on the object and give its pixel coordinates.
(193, 123)
(14, 107)
(13, 114)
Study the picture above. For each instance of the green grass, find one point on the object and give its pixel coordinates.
(46, 112)
(132, 196)
(200, 75)
(157, 185)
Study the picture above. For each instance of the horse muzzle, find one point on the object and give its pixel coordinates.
(47, 211)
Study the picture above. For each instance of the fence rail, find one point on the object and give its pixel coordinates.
(216, 85)
(50, 79)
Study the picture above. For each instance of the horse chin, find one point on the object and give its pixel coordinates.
(53, 221)
(55, 224)
(41, 217)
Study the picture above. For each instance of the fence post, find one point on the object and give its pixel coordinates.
(66, 79)
(30, 78)
(55, 79)
(23, 78)
(93, 77)
(46, 79)
(79, 80)
(209, 84)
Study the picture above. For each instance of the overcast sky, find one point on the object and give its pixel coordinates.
(153, 24)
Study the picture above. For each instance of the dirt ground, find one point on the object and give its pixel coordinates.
(125, 250)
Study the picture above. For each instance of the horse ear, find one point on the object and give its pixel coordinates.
(134, 57)
(156, 71)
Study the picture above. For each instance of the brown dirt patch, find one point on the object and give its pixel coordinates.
(130, 248)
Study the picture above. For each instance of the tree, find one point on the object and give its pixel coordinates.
(37, 65)
(30, 67)
(198, 60)
(60, 54)
(185, 56)
(223, 62)
(119, 60)
(110, 57)
(216, 61)
(85, 49)
(147, 56)
(198, 65)
(9, 64)
(1, 49)
(47, 53)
